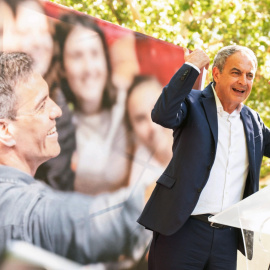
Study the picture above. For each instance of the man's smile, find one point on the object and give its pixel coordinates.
(52, 131)
(238, 90)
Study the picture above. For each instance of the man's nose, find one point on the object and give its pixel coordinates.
(55, 111)
(243, 79)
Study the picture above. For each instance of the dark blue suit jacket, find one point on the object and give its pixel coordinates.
(192, 115)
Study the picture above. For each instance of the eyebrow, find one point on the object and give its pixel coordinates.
(236, 69)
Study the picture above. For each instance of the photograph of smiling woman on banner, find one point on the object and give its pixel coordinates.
(100, 162)
(152, 143)
(102, 159)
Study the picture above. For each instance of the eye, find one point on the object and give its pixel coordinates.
(42, 106)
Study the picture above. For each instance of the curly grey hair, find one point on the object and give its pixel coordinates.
(15, 67)
(225, 52)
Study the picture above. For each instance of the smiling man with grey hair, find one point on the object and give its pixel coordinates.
(217, 152)
(17, 68)
(69, 224)
(224, 53)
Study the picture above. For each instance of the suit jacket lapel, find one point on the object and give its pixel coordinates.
(210, 109)
(248, 127)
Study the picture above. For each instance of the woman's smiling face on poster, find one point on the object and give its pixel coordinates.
(85, 66)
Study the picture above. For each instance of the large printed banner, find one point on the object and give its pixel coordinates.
(106, 79)
(152, 56)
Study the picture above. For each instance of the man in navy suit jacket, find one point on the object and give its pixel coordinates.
(217, 152)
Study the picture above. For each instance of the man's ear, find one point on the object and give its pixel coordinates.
(215, 74)
(6, 137)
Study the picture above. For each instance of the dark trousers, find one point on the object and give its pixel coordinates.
(196, 246)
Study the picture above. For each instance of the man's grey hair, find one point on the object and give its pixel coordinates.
(15, 67)
(225, 52)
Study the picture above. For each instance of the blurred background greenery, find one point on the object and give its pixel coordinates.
(209, 24)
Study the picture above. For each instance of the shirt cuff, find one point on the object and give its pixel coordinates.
(193, 66)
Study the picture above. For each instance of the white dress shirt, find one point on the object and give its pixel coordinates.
(227, 179)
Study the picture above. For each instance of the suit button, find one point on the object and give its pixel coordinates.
(199, 190)
(183, 77)
(209, 168)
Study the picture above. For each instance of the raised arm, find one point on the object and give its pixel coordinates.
(170, 108)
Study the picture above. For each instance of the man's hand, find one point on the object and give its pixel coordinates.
(198, 58)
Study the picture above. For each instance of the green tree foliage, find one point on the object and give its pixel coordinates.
(210, 24)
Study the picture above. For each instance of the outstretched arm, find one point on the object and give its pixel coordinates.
(83, 228)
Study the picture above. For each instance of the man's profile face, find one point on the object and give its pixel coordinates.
(34, 128)
(234, 84)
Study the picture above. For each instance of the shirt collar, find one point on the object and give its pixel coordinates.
(15, 176)
(220, 107)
